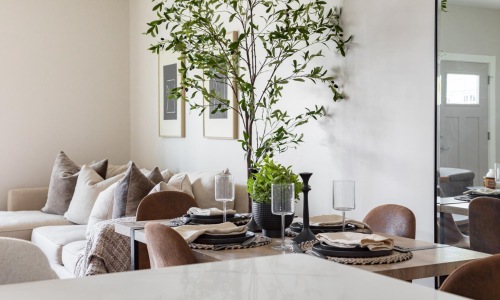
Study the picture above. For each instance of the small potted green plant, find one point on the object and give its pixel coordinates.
(259, 189)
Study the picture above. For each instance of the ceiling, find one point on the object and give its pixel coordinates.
(495, 4)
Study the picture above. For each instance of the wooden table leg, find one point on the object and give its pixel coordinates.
(441, 228)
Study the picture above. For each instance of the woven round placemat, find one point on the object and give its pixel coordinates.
(394, 257)
(259, 241)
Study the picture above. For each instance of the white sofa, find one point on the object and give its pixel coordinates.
(60, 240)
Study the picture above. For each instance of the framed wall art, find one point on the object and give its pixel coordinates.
(221, 124)
(171, 112)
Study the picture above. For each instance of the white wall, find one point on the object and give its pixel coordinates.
(472, 30)
(382, 136)
(64, 85)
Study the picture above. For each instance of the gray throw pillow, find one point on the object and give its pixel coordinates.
(63, 182)
(129, 192)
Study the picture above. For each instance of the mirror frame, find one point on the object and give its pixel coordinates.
(437, 12)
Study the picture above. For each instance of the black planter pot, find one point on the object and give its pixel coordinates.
(270, 224)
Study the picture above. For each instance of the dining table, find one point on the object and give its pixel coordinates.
(275, 277)
(452, 205)
(429, 259)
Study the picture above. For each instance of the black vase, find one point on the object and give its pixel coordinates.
(265, 219)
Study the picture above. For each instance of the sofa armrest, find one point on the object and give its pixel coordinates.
(27, 199)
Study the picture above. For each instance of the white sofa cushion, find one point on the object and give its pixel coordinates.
(61, 271)
(51, 239)
(20, 224)
(203, 184)
(70, 254)
(88, 187)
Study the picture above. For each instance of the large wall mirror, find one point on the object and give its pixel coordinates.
(468, 140)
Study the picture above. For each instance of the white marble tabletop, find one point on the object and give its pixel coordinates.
(294, 276)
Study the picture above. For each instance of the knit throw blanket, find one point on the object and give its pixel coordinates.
(106, 250)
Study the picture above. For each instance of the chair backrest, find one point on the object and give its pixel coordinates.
(484, 225)
(392, 219)
(478, 279)
(164, 205)
(158, 206)
(166, 247)
(22, 261)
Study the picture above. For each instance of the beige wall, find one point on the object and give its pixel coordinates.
(471, 30)
(64, 85)
(383, 137)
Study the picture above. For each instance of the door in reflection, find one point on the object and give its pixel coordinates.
(464, 117)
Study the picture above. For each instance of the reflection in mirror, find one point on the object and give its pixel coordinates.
(469, 42)
(467, 139)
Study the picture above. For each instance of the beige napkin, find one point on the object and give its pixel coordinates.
(209, 211)
(324, 220)
(192, 232)
(483, 191)
(374, 242)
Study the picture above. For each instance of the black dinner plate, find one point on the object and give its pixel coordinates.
(212, 220)
(210, 217)
(210, 240)
(297, 227)
(223, 236)
(328, 250)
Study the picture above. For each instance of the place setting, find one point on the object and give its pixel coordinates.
(216, 229)
(222, 236)
(343, 200)
(224, 192)
(342, 240)
(354, 248)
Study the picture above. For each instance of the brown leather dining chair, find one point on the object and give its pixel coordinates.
(166, 247)
(478, 279)
(392, 219)
(484, 225)
(158, 206)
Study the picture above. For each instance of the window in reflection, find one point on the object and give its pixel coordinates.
(462, 89)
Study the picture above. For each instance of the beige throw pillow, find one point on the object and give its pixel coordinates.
(63, 182)
(178, 183)
(167, 174)
(88, 187)
(203, 184)
(114, 170)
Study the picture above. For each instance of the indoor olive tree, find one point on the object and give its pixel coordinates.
(279, 42)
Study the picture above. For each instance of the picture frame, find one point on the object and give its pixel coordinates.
(171, 112)
(221, 125)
